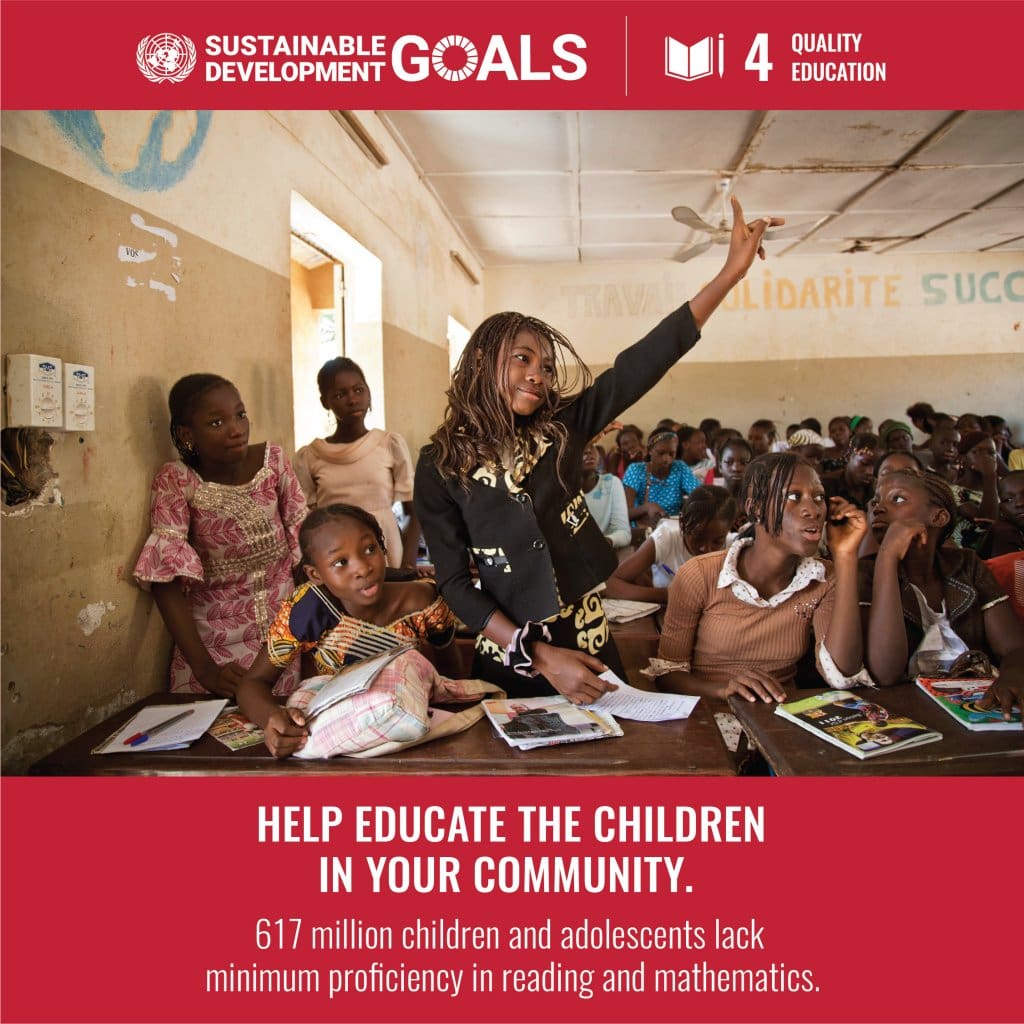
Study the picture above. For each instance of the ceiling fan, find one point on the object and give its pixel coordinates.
(721, 232)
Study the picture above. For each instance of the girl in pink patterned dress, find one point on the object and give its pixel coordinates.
(225, 523)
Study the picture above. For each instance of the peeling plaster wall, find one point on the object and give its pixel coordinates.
(80, 639)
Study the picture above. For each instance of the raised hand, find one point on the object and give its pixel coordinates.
(745, 242)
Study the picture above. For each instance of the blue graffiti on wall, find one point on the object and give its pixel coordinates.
(990, 287)
(151, 173)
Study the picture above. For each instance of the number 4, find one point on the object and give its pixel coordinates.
(757, 59)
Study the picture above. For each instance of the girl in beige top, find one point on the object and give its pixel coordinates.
(370, 469)
(742, 619)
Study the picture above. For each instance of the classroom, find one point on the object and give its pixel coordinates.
(258, 244)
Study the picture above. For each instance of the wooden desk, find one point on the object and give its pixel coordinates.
(690, 747)
(791, 750)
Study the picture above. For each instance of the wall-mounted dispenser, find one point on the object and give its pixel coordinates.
(79, 397)
(34, 391)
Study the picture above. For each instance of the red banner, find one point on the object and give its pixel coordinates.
(527, 55)
(510, 899)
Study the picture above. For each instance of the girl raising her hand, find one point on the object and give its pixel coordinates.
(500, 483)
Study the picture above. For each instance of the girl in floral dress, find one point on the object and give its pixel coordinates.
(225, 521)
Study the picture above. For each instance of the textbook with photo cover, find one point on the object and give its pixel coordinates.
(529, 722)
(959, 698)
(858, 726)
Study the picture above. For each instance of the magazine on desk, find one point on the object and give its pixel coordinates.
(959, 698)
(529, 722)
(234, 730)
(858, 726)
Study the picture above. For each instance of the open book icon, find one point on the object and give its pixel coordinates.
(694, 61)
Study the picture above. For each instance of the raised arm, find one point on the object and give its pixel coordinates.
(744, 245)
(640, 366)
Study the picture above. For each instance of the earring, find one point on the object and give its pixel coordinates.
(189, 447)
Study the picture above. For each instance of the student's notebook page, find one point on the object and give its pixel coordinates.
(642, 705)
(177, 736)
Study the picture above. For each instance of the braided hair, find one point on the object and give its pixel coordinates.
(326, 514)
(182, 401)
(479, 425)
(765, 486)
(704, 504)
(937, 490)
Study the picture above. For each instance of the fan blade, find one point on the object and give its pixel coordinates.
(694, 250)
(691, 219)
(792, 230)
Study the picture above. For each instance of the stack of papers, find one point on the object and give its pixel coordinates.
(619, 610)
(529, 722)
(163, 727)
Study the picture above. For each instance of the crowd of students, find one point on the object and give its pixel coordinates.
(256, 560)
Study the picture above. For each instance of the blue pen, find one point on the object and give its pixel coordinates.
(667, 569)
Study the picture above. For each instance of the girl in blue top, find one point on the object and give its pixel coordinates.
(656, 488)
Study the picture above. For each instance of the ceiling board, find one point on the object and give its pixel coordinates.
(554, 186)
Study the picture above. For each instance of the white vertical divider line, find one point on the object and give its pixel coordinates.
(626, 83)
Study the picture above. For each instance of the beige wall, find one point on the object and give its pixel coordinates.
(865, 336)
(79, 638)
(788, 391)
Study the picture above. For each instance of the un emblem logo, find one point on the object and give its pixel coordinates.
(166, 57)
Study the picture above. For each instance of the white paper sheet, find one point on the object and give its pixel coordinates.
(642, 705)
(179, 735)
(620, 610)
